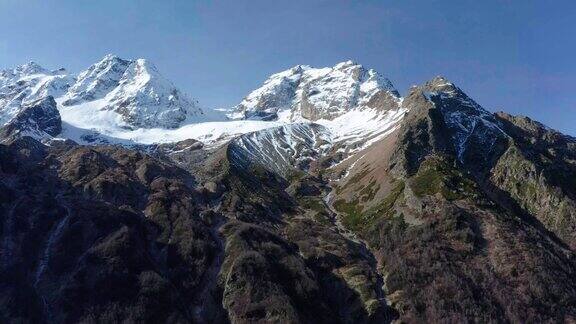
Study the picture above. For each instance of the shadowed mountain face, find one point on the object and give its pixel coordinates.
(39, 119)
(455, 215)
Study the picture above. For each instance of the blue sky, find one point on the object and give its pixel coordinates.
(516, 56)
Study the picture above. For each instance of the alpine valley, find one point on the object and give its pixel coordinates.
(324, 196)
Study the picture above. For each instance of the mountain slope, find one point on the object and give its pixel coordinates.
(371, 208)
(281, 149)
(448, 243)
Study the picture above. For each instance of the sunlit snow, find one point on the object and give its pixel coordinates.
(128, 102)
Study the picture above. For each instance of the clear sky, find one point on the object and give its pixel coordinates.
(516, 56)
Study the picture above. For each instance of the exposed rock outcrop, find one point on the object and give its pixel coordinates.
(39, 119)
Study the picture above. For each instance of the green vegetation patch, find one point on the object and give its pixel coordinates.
(316, 205)
(354, 179)
(367, 193)
(359, 176)
(357, 220)
(386, 206)
(438, 176)
(312, 203)
(351, 211)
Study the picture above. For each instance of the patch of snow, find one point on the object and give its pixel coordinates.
(351, 167)
(281, 148)
(363, 127)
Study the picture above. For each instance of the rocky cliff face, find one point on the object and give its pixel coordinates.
(431, 210)
(39, 119)
(537, 172)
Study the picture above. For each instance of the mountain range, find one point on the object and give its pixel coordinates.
(324, 196)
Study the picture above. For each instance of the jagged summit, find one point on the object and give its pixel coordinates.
(440, 80)
(145, 98)
(27, 83)
(97, 80)
(136, 90)
(133, 90)
(345, 64)
(304, 92)
(30, 68)
(461, 103)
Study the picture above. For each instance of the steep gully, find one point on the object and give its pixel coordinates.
(200, 308)
(201, 311)
(47, 254)
(374, 264)
(8, 243)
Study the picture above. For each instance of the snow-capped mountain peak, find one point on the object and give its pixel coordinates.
(29, 69)
(27, 83)
(345, 64)
(130, 101)
(304, 92)
(469, 123)
(99, 79)
(112, 94)
(135, 90)
(146, 99)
